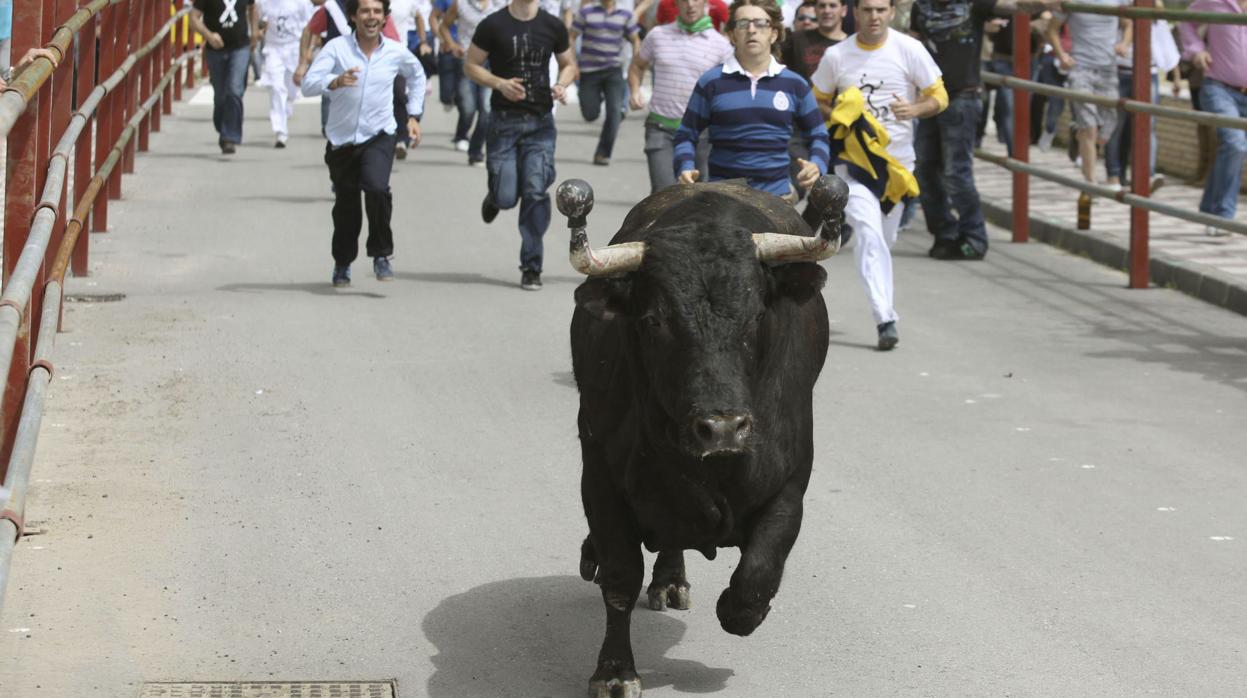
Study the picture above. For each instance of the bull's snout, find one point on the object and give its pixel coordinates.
(722, 433)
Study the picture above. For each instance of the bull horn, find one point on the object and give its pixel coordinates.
(828, 198)
(575, 200)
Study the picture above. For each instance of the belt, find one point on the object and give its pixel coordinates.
(1240, 90)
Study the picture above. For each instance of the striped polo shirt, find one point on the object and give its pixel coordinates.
(602, 33)
(679, 58)
(751, 121)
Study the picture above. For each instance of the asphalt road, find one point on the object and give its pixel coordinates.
(247, 475)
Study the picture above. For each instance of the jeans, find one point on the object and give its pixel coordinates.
(400, 110)
(473, 102)
(1221, 189)
(354, 168)
(449, 73)
(596, 85)
(1048, 74)
(944, 145)
(1117, 150)
(227, 70)
(660, 155)
(1002, 114)
(520, 160)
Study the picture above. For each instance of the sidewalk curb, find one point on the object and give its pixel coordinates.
(1198, 280)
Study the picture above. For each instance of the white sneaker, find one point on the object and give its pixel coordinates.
(461, 146)
(1045, 141)
(1213, 231)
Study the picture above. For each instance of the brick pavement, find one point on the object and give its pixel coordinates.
(1182, 256)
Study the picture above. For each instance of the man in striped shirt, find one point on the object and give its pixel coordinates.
(679, 53)
(604, 26)
(752, 104)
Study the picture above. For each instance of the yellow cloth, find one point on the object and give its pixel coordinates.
(859, 140)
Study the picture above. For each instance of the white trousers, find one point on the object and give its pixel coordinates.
(279, 65)
(874, 234)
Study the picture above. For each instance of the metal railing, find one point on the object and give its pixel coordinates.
(1142, 13)
(134, 43)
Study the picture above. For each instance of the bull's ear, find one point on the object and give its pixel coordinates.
(604, 298)
(798, 282)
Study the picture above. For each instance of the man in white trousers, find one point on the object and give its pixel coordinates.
(283, 26)
(900, 82)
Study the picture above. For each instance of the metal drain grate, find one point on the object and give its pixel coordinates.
(271, 689)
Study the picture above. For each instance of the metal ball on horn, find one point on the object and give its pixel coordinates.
(574, 198)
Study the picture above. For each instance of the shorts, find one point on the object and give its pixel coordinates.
(1101, 82)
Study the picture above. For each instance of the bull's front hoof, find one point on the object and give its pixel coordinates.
(675, 596)
(738, 618)
(615, 687)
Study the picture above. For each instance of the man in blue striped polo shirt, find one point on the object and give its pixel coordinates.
(604, 26)
(752, 104)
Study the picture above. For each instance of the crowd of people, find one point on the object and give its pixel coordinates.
(774, 92)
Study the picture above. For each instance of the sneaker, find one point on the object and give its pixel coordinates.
(461, 145)
(381, 267)
(341, 276)
(1045, 141)
(888, 336)
(964, 251)
(475, 162)
(601, 160)
(281, 141)
(530, 280)
(488, 211)
(1213, 231)
(943, 249)
(400, 150)
(227, 148)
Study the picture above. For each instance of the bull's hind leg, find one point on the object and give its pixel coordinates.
(669, 587)
(768, 539)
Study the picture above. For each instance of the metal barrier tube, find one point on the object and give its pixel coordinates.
(1141, 149)
(1130, 105)
(1021, 127)
(1149, 12)
(89, 96)
(1119, 196)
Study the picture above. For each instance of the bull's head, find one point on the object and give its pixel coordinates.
(705, 308)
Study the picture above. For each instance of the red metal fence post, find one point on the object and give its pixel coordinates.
(166, 64)
(188, 43)
(104, 116)
(1141, 149)
(120, 102)
(1021, 126)
(144, 78)
(175, 50)
(134, 40)
(22, 183)
(85, 45)
(62, 109)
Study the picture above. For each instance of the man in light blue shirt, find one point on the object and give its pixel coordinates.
(357, 72)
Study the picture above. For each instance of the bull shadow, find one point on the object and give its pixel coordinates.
(539, 636)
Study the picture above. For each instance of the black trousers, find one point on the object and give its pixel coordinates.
(354, 168)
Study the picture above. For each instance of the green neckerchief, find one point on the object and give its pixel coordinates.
(700, 25)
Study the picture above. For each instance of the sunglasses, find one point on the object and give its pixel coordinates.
(807, 18)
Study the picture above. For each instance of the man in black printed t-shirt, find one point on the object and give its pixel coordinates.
(519, 148)
(229, 29)
(952, 30)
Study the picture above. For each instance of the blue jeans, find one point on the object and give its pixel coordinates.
(1221, 189)
(944, 145)
(227, 70)
(520, 159)
(473, 102)
(1048, 74)
(449, 73)
(1117, 150)
(1003, 112)
(596, 85)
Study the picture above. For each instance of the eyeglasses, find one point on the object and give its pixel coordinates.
(807, 18)
(760, 24)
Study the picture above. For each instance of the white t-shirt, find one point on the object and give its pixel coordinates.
(284, 20)
(900, 66)
(404, 14)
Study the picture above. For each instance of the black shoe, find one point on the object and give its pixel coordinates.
(488, 211)
(530, 280)
(964, 251)
(227, 148)
(888, 336)
(943, 249)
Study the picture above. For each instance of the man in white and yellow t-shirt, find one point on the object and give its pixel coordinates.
(899, 83)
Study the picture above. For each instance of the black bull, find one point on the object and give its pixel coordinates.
(696, 372)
